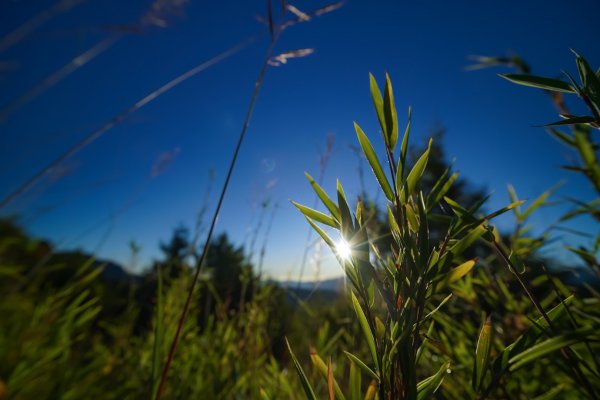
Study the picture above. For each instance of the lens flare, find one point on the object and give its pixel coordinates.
(343, 249)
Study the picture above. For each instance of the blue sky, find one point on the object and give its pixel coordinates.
(107, 195)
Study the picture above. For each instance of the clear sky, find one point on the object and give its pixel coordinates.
(150, 172)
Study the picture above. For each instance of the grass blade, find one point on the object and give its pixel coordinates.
(374, 162)
(539, 82)
(310, 393)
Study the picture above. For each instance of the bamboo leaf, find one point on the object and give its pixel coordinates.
(548, 346)
(562, 136)
(330, 380)
(333, 209)
(538, 202)
(310, 393)
(403, 150)
(357, 361)
(327, 372)
(573, 120)
(482, 353)
(315, 215)
(378, 103)
(589, 80)
(503, 210)
(427, 387)
(371, 391)
(391, 117)
(347, 225)
(374, 163)
(440, 190)
(528, 338)
(464, 243)
(460, 271)
(552, 393)
(366, 328)
(322, 233)
(415, 174)
(539, 82)
(355, 382)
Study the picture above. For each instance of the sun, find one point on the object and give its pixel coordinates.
(343, 249)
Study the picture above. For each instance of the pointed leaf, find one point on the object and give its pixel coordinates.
(330, 380)
(327, 372)
(355, 382)
(573, 120)
(415, 174)
(347, 225)
(310, 393)
(391, 117)
(403, 150)
(482, 353)
(315, 215)
(428, 386)
(374, 163)
(366, 328)
(371, 391)
(333, 209)
(503, 210)
(539, 82)
(378, 103)
(362, 365)
(551, 345)
(460, 271)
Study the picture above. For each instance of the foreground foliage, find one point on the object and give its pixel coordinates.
(419, 301)
(440, 304)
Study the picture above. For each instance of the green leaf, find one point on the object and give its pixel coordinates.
(321, 233)
(552, 393)
(391, 117)
(460, 271)
(428, 386)
(403, 150)
(440, 189)
(573, 120)
(366, 328)
(562, 136)
(512, 193)
(362, 365)
(468, 240)
(371, 391)
(482, 353)
(540, 201)
(415, 174)
(316, 215)
(378, 103)
(539, 82)
(528, 338)
(310, 393)
(347, 225)
(503, 210)
(333, 209)
(432, 313)
(585, 255)
(589, 80)
(374, 163)
(355, 382)
(325, 372)
(551, 345)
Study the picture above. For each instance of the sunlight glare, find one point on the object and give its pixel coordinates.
(343, 249)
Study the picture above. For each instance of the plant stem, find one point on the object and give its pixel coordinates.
(200, 263)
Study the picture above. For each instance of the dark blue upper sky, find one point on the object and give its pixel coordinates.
(150, 172)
